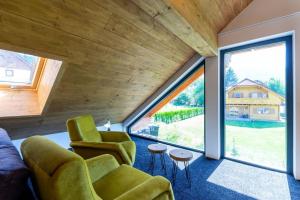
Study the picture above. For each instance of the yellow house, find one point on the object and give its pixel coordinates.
(252, 100)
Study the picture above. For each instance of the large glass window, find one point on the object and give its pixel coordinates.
(179, 117)
(255, 104)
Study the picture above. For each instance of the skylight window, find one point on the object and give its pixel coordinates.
(19, 70)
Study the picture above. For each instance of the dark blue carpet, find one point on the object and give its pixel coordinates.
(222, 179)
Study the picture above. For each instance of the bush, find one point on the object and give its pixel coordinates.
(177, 115)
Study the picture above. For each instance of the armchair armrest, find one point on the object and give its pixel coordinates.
(101, 146)
(149, 189)
(101, 165)
(114, 136)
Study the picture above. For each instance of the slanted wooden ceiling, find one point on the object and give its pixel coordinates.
(115, 53)
(196, 22)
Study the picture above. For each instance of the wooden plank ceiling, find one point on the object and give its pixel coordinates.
(115, 53)
(196, 22)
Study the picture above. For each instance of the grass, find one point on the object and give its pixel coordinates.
(257, 142)
(188, 132)
(264, 146)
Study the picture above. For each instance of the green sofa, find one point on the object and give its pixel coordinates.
(60, 174)
(88, 142)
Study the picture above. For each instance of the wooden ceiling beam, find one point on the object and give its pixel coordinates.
(186, 21)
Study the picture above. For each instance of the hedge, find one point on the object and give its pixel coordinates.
(177, 115)
(255, 124)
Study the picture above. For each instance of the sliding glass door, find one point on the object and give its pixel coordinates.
(257, 103)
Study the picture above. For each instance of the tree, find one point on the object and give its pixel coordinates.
(276, 85)
(230, 77)
(193, 95)
(198, 92)
(182, 100)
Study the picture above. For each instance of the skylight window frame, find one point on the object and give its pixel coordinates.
(35, 80)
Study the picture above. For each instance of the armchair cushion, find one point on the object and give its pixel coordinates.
(157, 188)
(93, 149)
(83, 128)
(130, 149)
(114, 136)
(101, 165)
(111, 185)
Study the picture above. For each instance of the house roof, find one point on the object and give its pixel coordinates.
(15, 60)
(247, 82)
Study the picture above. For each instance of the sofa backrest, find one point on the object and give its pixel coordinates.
(14, 174)
(83, 128)
(58, 173)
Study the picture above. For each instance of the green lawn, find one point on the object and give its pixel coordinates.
(255, 124)
(189, 132)
(248, 141)
(264, 146)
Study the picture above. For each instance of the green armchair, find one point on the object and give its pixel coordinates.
(63, 175)
(88, 142)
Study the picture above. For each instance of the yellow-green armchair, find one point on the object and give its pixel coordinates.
(59, 174)
(88, 142)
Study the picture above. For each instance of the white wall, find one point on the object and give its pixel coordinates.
(265, 18)
(212, 125)
(63, 139)
(114, 127)
(263, 10)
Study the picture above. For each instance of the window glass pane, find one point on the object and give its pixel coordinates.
(179, 118)
(255, 118)
(17, 68)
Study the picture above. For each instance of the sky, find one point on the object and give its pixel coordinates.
(259, 64)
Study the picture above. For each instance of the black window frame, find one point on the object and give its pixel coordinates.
(288, 40)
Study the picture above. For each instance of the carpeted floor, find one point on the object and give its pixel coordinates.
(222, 179)
(213, 179)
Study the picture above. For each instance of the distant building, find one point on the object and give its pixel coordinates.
(252, 100)
(17, 67)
